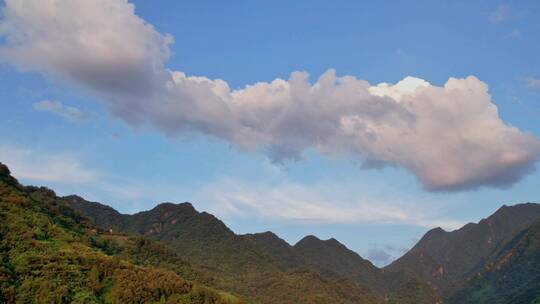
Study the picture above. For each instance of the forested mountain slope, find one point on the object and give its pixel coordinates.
(448, 260)
(67, 249)
(332, 259)
(50, 254)
(262, 266)
(512, 276)
(233, 262)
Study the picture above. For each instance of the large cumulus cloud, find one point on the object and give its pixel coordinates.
(449, 137)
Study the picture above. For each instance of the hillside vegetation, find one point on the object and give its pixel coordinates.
(226, 260)
(50, 254)
(512, 277)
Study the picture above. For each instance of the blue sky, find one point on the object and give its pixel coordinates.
(71, 134)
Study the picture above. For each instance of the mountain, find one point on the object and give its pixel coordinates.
(101, 215)
(512, 276)
(334, 260)
(67, 249)
(277, 248)
(330, 256)
(232, 262)
(50, 254)
(448, 259)
(261, 266)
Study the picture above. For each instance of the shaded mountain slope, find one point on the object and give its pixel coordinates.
(446, 259)
(278, 248)
(330, 256)
(513, 276)
(101, 215)
(334, 260)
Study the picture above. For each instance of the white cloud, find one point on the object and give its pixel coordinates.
(532, 82)
(406, 86)
(325, 203)
(41, 167)
(515, 33)
(98, 44)
(449, 137)
(56, 107)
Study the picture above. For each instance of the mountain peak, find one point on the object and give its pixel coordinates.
(265, 236)
(308, 239)
(5, 175)
(312, 242)
(333, 242)
(4, 170)
(506, 216)
(332, 257)
(267, 233)
(172, 207)
(435, 233)
(463, 250)
(522, 208)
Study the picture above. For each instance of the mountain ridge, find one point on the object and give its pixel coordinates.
(309, 254)
(49, 253)
(332, 259)
(190, 206)
(442, 258)
(209, 244)
(472, 264)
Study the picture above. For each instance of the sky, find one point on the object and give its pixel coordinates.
(364, 121)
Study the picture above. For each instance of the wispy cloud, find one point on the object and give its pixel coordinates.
(531, 82)
(67, 173)
(274, 198)
(515, 33)
(46, 168)
(57, 108)
(500, 14)
(322, 203)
